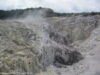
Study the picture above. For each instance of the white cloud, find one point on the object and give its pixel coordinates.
(57, 5)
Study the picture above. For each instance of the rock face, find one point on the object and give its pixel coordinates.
(58, 38)
(76, 27)
(68, 59)
(59, 57)
(27, 47)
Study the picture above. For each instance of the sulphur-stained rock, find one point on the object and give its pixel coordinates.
(17, 53)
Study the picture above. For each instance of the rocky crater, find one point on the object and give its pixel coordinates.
(28, 47)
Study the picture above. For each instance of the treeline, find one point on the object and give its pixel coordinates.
(21, 13)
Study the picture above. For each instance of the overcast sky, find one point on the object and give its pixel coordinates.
(57, 5)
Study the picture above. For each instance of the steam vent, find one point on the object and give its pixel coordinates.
(42, 42)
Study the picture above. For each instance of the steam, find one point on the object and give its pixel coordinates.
(35, 17)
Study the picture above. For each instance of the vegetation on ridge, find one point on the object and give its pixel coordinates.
(21, 13)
